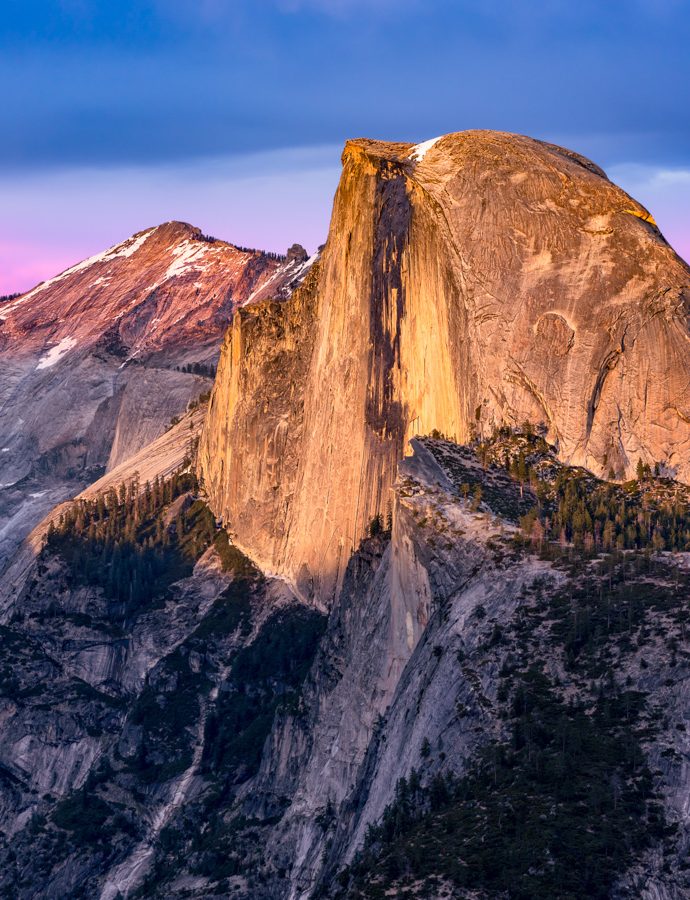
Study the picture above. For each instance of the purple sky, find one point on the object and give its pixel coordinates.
(53, 218)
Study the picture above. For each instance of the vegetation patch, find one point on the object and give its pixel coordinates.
(519, 477)
(265, 675)
(265, 679)
(82, 814)
(558, 810)
(133, 544)
(232, 559)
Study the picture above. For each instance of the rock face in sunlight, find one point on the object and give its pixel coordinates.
(90, 359)
(478, 279)
(374, 621)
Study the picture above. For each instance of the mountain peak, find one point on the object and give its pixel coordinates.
(104, 354)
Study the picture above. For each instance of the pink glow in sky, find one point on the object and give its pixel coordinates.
(23, 264)
(52, 220)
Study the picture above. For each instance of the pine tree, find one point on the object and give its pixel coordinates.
(477, 497)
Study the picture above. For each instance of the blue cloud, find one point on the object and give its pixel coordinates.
(147, 80)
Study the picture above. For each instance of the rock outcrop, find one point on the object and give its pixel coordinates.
(170, 452)
(478, 279)
(96, 362)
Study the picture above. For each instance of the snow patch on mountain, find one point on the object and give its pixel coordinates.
(10, 307)
(419, 151)
(189, 256)
(131, 245)
(289, 275)
(55, 354)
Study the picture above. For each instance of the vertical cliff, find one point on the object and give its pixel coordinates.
(315, 397)
(478, 279)
(251, 453)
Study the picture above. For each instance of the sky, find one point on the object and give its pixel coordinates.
(231, 114)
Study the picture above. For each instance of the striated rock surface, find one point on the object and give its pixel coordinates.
(90, 361)
(478, 279)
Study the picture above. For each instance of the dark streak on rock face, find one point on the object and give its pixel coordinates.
(387, 302)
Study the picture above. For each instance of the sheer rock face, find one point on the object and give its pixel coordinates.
(88, 359)
(480, 279)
